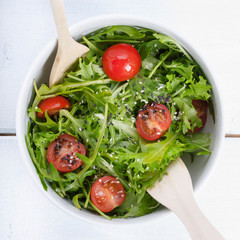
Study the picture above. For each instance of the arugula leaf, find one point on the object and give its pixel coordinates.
(129, 208)
(103, 117)
(156, 151)
(172, 44)
(90, 70)
(189, 117)
(75, 200)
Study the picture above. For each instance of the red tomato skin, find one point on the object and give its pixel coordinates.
(121, 62)
(153, 121)
(62, 153)
(201, 108)
(53, 105)
(107, 193)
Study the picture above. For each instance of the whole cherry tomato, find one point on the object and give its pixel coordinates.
(121, 62)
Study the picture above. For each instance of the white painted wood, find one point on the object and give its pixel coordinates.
(26, 214)
(211, 26)
(175, 191)
(27, 26)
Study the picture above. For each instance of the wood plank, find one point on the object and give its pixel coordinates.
(209, 25)
(27, 214)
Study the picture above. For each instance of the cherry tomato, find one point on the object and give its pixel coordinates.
(107, 193)
(53, 105)
(62, 153)
(201, 108)
(121, 62)
(153, 121)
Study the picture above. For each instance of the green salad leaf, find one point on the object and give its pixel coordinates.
(103, 117)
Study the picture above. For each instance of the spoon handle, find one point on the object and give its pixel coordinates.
(60, 21)
(194, 220)
(175, 192)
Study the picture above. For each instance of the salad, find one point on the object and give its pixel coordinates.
(122, 113)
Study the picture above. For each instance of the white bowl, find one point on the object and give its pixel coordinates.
(200, 169)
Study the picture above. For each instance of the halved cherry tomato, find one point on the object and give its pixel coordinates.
(153, 121)
(121, 62)
(201, 108)
(107, 193)
(53, 105)
(62, 153)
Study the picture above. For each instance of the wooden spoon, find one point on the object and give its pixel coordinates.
(68, 49)
(175, 192)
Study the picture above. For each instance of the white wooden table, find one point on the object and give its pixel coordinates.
(25, 28)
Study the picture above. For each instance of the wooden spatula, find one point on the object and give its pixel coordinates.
(175, 192)
(68, 49)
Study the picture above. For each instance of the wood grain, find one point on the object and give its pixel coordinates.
(27, 26)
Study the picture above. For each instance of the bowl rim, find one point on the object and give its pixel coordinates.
(125, 19)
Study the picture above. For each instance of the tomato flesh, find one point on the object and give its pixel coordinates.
(62, 153)
(201, 108)
(107, 193)
(153, 121)
(121, 62)
(53, 105)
